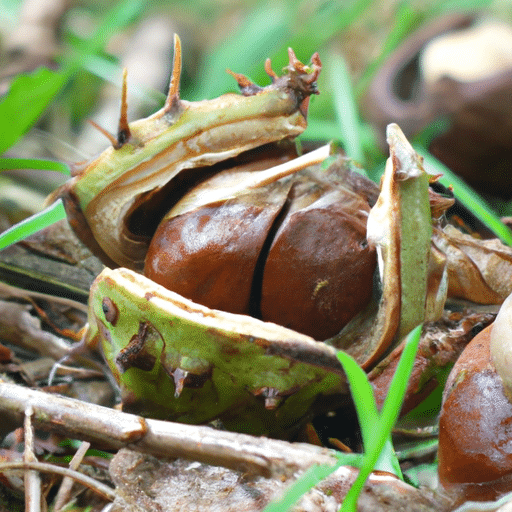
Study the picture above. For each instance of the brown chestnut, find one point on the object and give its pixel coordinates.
(319, 270)
(292, 251)
(475, 427)
(209, 254)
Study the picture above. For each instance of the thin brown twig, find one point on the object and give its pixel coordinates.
(31, 478)
(102, 489)
(67, 482)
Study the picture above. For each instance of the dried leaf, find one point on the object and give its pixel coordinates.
(478, 270)
(21, 328)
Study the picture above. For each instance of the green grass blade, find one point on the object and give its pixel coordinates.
(30, 93)
(367, 413)
(120, 16)
(27, 98)
(33, 163)
(419, 449)
(345, 107)
(433, 129)
(328, 20)
(321, 129)
(407, 19)
(388, 417)
(375, 429)
(268, 31)
(264, 27)
(27, 227)
(467, 196)
(398, 387)
(362, 395)
(448, 6)
(309, 479)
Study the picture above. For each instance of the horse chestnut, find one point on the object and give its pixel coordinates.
(293, 252)
(475, 427)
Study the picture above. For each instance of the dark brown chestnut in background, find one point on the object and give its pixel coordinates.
(469, 106)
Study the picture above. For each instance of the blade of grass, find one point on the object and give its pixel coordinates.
(406, 20)
(417, 475)
(27, 227)
(427, 134)
(264, 27)
(120, 16)
(375, 429)
(388, 417)
(467, 196)
(367, 413)
(318, 27)
(419, 449)
(309, 479)
(268, 31)
(442, 6)
(33, 163)
(345, 107)
(377, 171)
(321, 129)
(30, 93)
(27, 98)
(398, 387)
(25, 101)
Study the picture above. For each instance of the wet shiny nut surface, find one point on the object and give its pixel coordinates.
(475, 427)
(293, 252)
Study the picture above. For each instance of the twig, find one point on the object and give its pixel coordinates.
(102, 489)
(31, 478)
(114, 429)
(23, 329)
(67, 482)
(13, 291)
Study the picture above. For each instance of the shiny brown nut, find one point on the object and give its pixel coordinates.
(475, 427)
(292, 252)
(209, 254)
(501, 344)
(319, 270)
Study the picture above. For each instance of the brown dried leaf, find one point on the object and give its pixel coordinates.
(478, 270)
(441, 344)
(19, 327)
